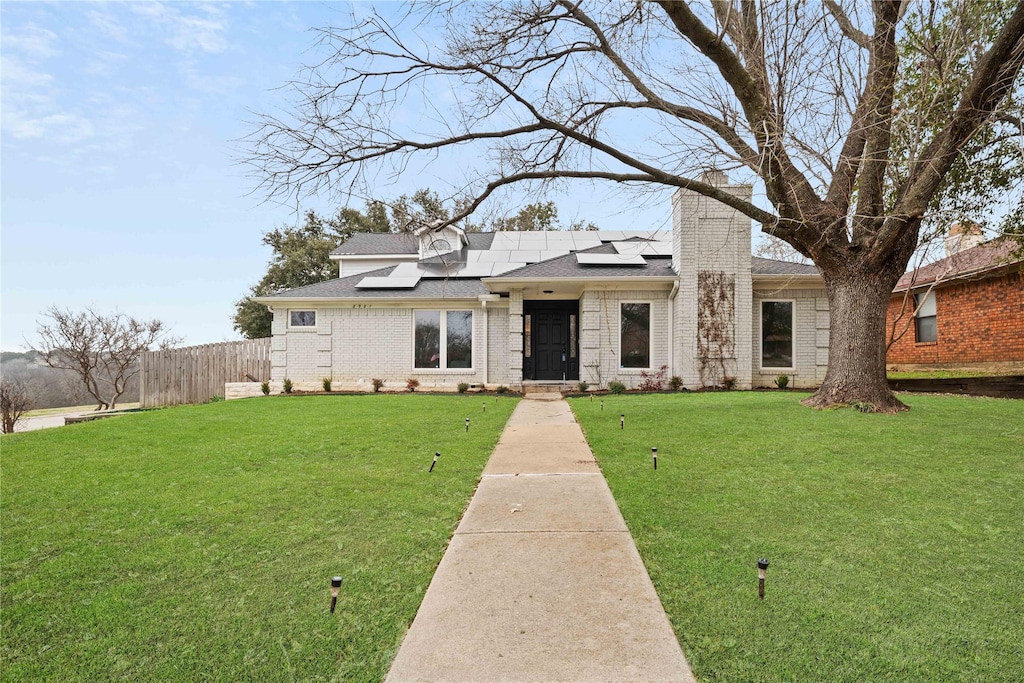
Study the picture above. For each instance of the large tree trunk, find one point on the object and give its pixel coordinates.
(856, 356)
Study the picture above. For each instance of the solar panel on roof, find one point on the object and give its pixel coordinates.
(388, 283)
(609, 260)
(643, 248)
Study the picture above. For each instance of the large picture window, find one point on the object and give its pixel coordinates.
(635, 342)
(455, 328)
(777, 334)
(925, 328)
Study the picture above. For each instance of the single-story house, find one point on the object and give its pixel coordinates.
(508, 308)
(965, 311)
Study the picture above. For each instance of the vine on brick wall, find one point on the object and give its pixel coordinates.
(716, 325)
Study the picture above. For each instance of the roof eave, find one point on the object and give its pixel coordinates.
(375, 257)
(498, 280)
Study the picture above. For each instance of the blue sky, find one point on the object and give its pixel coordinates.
(120, 183)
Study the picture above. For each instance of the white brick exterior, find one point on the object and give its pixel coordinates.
(810, 337)
(600, 326)
(708, 235)
(359, 342)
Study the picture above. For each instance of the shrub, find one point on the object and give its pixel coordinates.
(582, 385)
(326, 381)
(14, 400)
(377, 384)
(502, 389)
(463, 387)
(653, 381)
(782, 381)
(265, 388)
(216, 398)
(729, 382)
(616, 387)
(675, 383)
(287, 386)
(412, 383)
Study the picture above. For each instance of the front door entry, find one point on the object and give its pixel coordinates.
(549, 331)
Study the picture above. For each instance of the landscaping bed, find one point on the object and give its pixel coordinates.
(197, 543)
(894, 541)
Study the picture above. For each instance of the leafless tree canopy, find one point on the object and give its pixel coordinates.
(811, 98)
(103, 350)
(14, 401)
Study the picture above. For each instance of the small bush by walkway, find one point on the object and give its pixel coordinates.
(197, 543)
(895, 541)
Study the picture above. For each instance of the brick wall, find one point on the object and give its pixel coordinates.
(356, 344)
(810, 337)
(979, 321)
(600, 327)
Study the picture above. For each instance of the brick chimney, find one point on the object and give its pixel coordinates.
(963, 237)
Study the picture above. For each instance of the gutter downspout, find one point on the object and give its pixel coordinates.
(672, 329)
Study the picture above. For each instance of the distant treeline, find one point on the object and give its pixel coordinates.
(49, 388)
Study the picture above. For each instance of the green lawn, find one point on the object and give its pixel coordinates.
(896, 542)
(197, 543)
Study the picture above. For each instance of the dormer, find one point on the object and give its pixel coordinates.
(434, 240)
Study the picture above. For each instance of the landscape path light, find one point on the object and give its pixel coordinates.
(335, 589)
(467, 424)
(622, 421)
(437, 455)
(762, 571)
(654, 454)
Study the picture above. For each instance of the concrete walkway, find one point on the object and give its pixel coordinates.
(542, 581)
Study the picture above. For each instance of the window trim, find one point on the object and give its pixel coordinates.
(443, 343)
(303, 328)
(918, 317)
(760, 336)
(650, 335)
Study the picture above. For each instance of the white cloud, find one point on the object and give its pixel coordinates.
(187, 33)
(32, 41)
(61, 127)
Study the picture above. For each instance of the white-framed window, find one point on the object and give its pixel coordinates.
(635, 334)
(925, 327)
(301, 318)
(777, 334)
(454, 328)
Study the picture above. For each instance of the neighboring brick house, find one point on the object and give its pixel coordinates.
(444, 306)
(965, 311)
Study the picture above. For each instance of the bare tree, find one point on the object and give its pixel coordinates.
(799, 96)
(103, 350)
(14, 401)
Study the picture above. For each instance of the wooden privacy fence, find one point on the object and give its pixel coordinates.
(194, 374)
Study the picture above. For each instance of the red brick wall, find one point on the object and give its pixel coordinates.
(979, 321)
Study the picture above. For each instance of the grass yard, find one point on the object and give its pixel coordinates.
(197, 543)
(896, 542)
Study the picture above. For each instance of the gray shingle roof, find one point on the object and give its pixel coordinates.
(345, 288)
(568, 267)
(973, 262)
(366, 243)
(770, 266)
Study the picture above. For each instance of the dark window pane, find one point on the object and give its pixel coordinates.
(777, 334)
(636, 336)
(428, 339)
(303, 319)
(460, 339)
(927, 330)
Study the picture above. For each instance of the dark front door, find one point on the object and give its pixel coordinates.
(549, 331)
